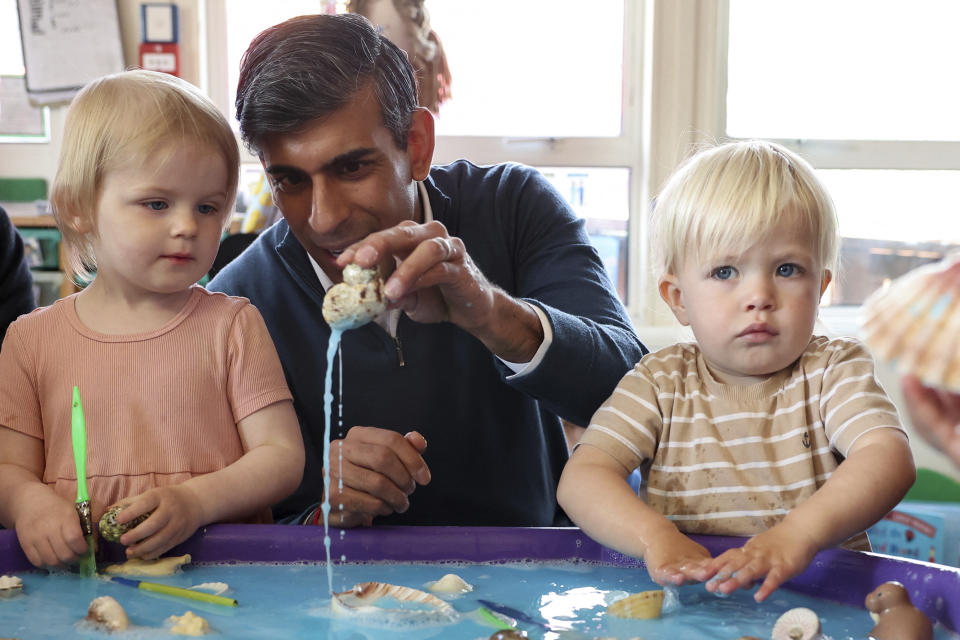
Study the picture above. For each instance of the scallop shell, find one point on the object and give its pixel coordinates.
(111, 530)
(450, 584)
(915, 323)
(107, 612)
(362, 598)
(797, 624)
(643, 605)
(355, 301)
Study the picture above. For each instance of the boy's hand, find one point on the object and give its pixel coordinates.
(776, 555)
(50, 532)
(177, 514)
(673, 559)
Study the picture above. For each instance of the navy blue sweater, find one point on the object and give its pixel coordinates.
(16, 283)
(495, 447)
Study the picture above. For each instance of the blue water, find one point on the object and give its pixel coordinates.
(292, 601)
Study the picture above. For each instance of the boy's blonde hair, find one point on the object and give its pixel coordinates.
(728, 197)
(123, 118)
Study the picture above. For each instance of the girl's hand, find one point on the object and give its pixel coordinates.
(50, 532)
(673, 559)
(177, 514)
(776, 555)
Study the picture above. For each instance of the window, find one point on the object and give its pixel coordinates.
(20, 121)
(864, 90)
(559, 98)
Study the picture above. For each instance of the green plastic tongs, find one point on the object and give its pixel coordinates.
(78, 429)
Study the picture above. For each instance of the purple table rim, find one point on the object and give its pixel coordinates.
(835, 574)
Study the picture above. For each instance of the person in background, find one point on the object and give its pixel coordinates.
(16, 282)
(501, 321)
(187, 413)
(743, 429)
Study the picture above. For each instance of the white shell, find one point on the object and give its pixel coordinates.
(361, 602)
(450, 584)
(355, 301)
(797, 624)
(189, 624)
(107, 612)
(166, 566)
(915, 323)
(10, 585)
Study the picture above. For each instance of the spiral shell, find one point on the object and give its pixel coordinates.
(111, 530)
(797, 624)
(355, 301)
(107, 612)
(643, 605)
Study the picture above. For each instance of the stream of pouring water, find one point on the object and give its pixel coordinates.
(327, 406)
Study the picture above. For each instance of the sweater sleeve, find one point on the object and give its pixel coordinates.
(558, 270)
(16, 283)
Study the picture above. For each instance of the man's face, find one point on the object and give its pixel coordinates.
(343, 177)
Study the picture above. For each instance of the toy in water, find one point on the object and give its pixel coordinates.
(895, 616)
(140, 567)
(915, 323)
(450, 584)
(189, 624)
(368, 601)
(355, 301)
(644, 605)
(10, 586)
(176, 592)
(111, 530)
(797, 624)
(107, 613)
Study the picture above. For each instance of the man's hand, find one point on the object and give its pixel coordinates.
(373, 471)
(437, 281)
(935, 415)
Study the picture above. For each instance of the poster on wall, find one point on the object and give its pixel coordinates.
(67, 43)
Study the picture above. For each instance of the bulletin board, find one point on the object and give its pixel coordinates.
(67, 43)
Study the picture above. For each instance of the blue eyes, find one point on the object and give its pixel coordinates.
(786, 270)
(160, 205)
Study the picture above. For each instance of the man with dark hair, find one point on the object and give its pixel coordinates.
(16, 283)
(501, 320)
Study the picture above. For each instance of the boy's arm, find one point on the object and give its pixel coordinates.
(872, 479)
(594, 493)
(270, 470)
(47, 525)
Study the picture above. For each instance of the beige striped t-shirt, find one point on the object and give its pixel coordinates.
(734, 460)
(160, 407)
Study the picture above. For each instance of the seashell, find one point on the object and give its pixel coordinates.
(915, 323)
(189, 624)
(450, 584)
(643, 605)
(216, 588)
(508, 634)
(10, 586)
(140, 567)
(107, 612)
(797, 624)
(362, 598)
(355, 301)
(111, 530)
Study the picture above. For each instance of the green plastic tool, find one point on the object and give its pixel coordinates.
(78, 429)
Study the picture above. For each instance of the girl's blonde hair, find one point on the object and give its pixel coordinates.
(126, 118)
(728, 197)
